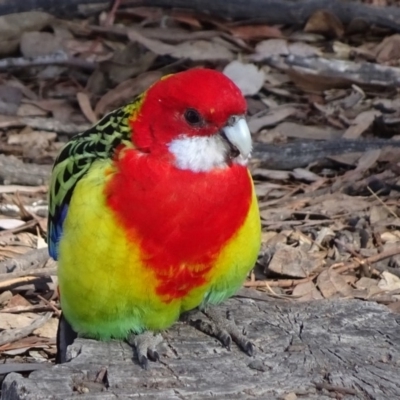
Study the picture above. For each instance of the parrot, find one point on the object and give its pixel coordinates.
(153, 214)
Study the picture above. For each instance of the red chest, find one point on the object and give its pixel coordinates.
(180, 219)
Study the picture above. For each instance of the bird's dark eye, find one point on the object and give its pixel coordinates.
(193, 117)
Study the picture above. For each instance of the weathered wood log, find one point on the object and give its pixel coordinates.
(336, 72)
(56, 7)
(283, 12)
(14, 171)
(292, 12)
(302, 153)
(316, 350)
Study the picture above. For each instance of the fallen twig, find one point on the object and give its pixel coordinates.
(33, 308)
(283, 283)
(55, 309)
(12, 283)
(19, 367)
(12, 335)
(43, 124)
(360, 73)
(280, 12)
(27, 261)
(58, 58)
(337, 389)
(13, 170)
(339, 267)
(302, 153)
(40, 272)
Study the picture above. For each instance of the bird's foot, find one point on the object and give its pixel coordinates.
(224, 329)
(65, 336)
(146, 347)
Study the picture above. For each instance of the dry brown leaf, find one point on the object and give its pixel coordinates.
(342, 50)
(18, 300)
(361, 123)
(388, 105)
(302, 49)
(253, 32)
(293, 262)
(390, 155)
(271, 47)
(126, 92)
(389, 282)
(326, 23)
(378, 213)
(367, 160)
(307, 37)
(34, 44)
(290, 396)
(10, 223)
(315, 83)
(5, 296)
(307, 292)
(194, 50)
(369, 286)
(86, 108)
(340, 203)
(186, 19)
(29, 342)
(388, 50)
(202, 50)
(272, 174)
(12, 26)
(324, 236)
(11, 321)
(48, 330)
(262, 189)
(29, 138)
(349, 159)
(270, 237)
(390, 237)
(247, 77)
(60, 108)
(330, 283)
(365, 283)
(28, 92)
(153, 14)
(128, 62)
(30, 110)
(303, 174)
(156, 46)
(90, 50)
(16, 24)
(10, 99)
(273, 116)
(291, 129)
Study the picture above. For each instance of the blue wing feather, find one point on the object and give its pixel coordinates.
(56, 229)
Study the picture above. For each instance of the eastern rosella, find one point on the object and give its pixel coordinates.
(152, 211)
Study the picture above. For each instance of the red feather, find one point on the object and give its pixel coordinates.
(181, 219)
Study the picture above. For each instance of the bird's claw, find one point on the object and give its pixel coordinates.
(145, 345)
(225, 330)
(213, 329)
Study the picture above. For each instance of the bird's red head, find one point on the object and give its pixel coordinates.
(194, 103)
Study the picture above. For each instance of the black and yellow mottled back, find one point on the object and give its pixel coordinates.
(75, 159)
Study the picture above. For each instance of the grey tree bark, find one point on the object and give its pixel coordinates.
(321, 350)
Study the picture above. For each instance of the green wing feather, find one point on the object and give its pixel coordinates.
(75, 159)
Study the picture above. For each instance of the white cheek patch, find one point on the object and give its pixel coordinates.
(199, 153)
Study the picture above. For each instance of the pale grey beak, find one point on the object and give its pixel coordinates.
(238, 135)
